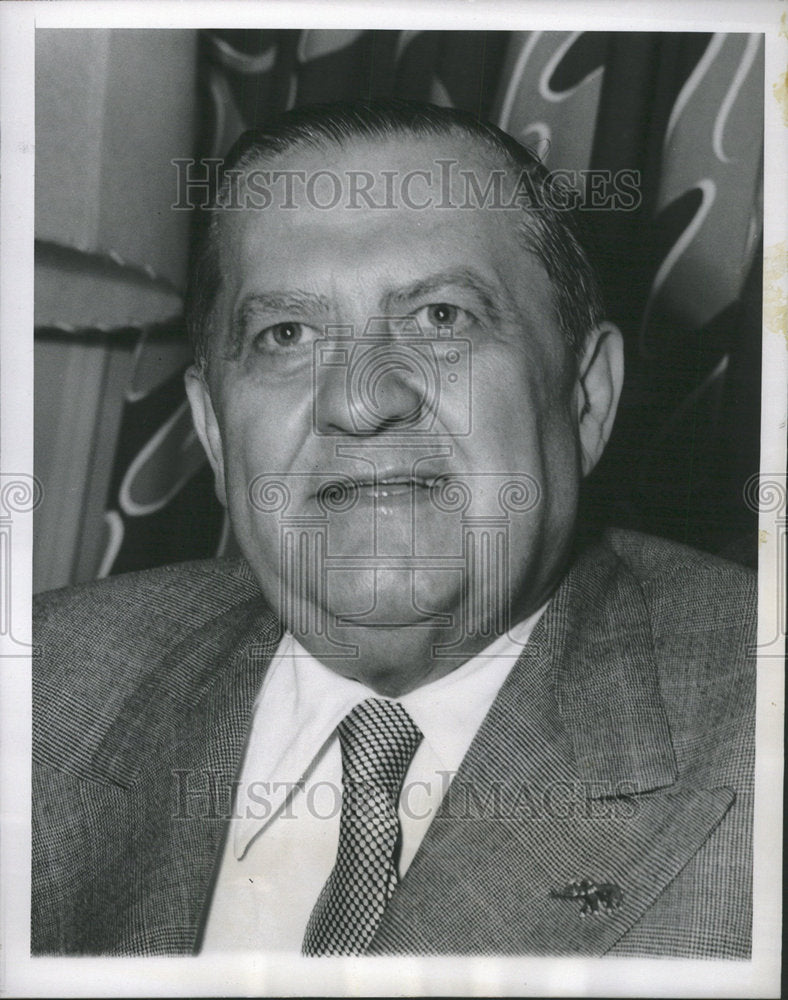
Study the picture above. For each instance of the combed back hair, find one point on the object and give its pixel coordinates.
(548, 230)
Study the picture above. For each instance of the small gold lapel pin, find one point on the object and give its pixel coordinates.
(595, 897)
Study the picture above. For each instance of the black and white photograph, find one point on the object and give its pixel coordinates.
(393, 502)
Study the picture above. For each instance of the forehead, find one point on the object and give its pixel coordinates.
(377, 212)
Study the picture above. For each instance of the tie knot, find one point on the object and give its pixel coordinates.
(378, 740)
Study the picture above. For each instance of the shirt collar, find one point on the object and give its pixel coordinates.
(302, 701)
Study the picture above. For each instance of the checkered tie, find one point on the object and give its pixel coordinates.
(378, 740)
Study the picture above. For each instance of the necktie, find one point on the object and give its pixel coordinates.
(378, 740)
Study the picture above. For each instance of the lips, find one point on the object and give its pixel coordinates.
(387, 484)
(392, 486)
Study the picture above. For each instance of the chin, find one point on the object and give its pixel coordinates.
(393, 661)
(393, 599)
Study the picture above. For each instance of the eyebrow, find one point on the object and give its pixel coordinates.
(463, 277)
(291, 300)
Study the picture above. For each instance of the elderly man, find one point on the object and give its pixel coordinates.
(419, 715)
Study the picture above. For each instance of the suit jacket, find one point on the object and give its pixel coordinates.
(619, 751)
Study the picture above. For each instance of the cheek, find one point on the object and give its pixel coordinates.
(246, 446)
(508, 400)
(251, 473)
(251, 436)
(523, 424)
(263, 442)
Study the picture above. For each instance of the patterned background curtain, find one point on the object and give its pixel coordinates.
(125, 483)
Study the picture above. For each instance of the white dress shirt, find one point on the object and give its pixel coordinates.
(283, 836)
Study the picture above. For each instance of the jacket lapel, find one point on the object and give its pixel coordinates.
(572, 776)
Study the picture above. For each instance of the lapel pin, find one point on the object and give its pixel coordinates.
(595, 897)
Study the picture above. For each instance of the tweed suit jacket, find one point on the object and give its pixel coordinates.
(619, 750)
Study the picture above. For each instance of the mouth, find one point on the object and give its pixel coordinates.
(387, 485)
(392, 487)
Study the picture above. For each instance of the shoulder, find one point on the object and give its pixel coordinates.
(648, 556)
(685, 588)
(99, 644)
(702, 614)
(147, 609)
(182, 592)
(140, 612)
(137, 614)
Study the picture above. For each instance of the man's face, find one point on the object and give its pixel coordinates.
(402, 353)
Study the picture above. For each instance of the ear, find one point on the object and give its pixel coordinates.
(600, 377)
(207, 427)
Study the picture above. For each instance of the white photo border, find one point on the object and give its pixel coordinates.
(21, 975)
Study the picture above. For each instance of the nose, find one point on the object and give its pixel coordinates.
(382, 386)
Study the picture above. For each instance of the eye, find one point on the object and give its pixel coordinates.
(285, 336)
(441, 314)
